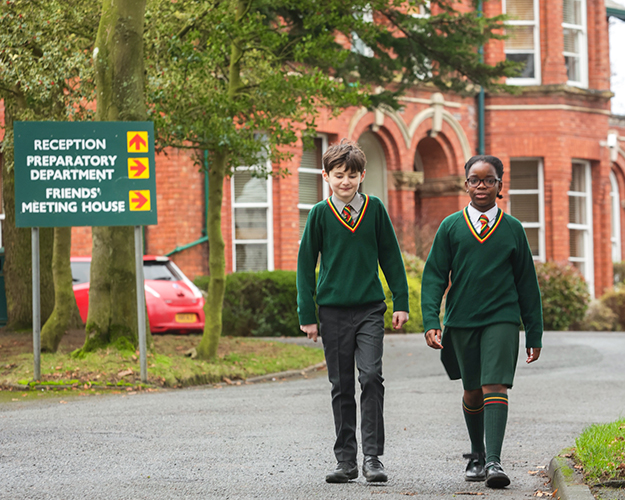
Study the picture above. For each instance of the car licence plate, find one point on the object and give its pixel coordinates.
(185, 318)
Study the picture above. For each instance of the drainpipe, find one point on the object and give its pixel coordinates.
(480, 100)
(204, 237)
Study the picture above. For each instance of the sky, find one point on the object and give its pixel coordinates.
(617, 63)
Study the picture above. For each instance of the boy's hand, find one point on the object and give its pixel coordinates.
(399, 319)
(433, 339)
(310, 330)
(533, 353)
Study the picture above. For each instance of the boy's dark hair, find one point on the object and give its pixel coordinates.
(346, 153)
(492, 160)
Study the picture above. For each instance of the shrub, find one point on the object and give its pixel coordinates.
(414, 265)
(259, 304)
(599, 318)
(619, 272)
(415, 321)
(615, 300)
(564, 294)
(264, 304)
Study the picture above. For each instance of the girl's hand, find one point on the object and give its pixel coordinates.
(533, 353)
(433, 339)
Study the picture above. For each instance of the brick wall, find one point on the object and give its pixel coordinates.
(436, 134)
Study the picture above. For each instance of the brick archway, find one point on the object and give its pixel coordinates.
(438, 196)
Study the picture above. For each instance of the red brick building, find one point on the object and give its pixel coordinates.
(563, 153)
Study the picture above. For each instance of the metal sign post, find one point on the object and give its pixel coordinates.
(36, 304)
(141, 302)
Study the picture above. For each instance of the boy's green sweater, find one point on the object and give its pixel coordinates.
(348, 272)
(493, 281)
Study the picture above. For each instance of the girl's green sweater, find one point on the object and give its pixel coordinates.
(493, 280)
(348, 271)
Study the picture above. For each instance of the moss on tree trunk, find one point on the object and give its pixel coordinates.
(65, 314)
(207, 349)
(17, 243)
(118, 59)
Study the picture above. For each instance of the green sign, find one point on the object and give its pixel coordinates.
(84, 174)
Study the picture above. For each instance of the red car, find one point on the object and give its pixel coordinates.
(174, 303)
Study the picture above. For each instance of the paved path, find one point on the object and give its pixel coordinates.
(274, 440)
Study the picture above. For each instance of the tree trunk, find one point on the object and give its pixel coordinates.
(65, 314)
(17, 243)
(118, 59)
(207, 348)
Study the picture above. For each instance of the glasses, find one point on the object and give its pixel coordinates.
(488, 182)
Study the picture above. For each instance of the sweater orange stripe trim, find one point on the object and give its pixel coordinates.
(465, 212)
(338, 216)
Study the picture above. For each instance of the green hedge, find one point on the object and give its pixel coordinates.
(415, 321)
(264, 304)
(260, 304)
(565, 295)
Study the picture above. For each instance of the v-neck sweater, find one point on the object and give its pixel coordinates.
(348, 269)
(493, 279)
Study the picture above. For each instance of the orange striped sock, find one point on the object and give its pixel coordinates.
(474, 418)
(495, 419)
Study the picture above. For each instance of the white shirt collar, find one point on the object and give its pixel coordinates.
(356, 203)
(474, 215)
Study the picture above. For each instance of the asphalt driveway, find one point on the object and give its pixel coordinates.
(274, 440)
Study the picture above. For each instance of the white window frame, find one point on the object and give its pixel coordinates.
(423, 13)
(542, 255)
(588, 259)
(424, 10)
(358, 46)
(268, 205)
(582, 36)
(615, 235)
(325, 188)
(537, 61)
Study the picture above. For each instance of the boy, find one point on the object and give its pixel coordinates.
(485, 254)
(353, 233)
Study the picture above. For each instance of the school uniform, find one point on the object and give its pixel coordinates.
(487, 259)
(351, 304)
(493, 281)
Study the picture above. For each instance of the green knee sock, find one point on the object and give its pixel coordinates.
(474, 418)
(495, 418)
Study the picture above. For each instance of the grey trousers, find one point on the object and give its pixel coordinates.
(355, 334)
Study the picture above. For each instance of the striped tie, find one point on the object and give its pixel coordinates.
(347, 215)
(484, 220)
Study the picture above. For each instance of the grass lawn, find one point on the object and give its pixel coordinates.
(600, 450)
(168, 366)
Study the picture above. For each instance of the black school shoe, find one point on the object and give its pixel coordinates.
(475, 468)
(373, 470)
(495, 476)
(344, 472)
